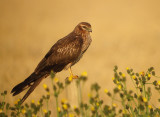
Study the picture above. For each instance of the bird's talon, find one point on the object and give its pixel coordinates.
(75, 77)
(72, 77)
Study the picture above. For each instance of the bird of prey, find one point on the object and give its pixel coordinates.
(62, 55)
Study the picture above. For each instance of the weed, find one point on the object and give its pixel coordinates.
(125, 101)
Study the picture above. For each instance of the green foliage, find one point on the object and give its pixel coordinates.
(125, 101)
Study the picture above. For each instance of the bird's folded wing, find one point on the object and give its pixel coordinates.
(65, 51)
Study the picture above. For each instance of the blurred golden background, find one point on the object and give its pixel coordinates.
(125, 33)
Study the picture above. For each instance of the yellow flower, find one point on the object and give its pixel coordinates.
(144, 99)
(44, 110)
(1, 110)
(59, 109)
(48, 93)
(92, 108)
(114, 105)
(64, 100)
(75, 107)
(123, 75)
(149, 106)
(16, 102)
(119, 87)
(44, 86)
(56, 80)
(89, 95)
(124, 111)
(117, 82)
(38, 103)
(158, 82)
(84, 74)
(97, 104)
(134, 77)
(142, 73)
(32, 101)
(71, 115)
(149, 75)
(70, 78)
(106, 90)
(127, 68)
(113, 78)
(65, 107)
(23, 111)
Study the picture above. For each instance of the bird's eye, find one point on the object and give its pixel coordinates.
(84, 27)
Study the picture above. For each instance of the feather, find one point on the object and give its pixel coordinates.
(32, 81)
(35, 84)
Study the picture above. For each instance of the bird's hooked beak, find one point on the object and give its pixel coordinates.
(89, 29)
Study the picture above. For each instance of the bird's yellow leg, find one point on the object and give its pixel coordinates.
(71, 74)
(70, 71)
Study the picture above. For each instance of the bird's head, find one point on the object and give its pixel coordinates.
(83, 27)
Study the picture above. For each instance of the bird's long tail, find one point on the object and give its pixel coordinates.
(31, 82)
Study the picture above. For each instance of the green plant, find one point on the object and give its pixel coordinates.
(126, 101)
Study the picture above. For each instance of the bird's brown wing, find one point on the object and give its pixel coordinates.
(65, 51)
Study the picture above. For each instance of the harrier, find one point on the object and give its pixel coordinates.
(63, 54)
